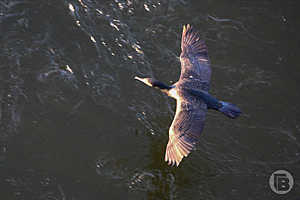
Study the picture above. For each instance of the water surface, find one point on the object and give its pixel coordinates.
(75, 124)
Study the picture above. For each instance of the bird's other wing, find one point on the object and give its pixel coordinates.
(185, 130)
(194, 59)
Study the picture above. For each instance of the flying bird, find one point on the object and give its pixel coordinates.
(192, 97)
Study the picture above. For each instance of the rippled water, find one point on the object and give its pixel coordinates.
(75, 124)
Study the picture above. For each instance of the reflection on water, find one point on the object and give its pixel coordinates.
(75, 124)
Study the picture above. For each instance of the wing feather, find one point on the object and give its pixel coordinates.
(184, 132)
(194, 57)
(190, 114)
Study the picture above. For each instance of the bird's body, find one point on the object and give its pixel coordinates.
(191, 94)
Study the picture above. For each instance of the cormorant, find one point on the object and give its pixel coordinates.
(193, 99)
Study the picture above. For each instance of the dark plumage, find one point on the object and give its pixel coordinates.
(193, 99)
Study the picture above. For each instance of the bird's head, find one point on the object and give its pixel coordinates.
(152, 82)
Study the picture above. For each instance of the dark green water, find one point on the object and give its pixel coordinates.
(96, 133)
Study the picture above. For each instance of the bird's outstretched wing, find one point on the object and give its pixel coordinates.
(190, 114)
(194, 59)
(185, 130)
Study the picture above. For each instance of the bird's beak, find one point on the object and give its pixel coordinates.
(144, 80)
(138, 78)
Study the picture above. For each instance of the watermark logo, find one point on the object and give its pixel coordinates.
(281, 181)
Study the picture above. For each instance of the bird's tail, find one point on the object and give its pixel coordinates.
(229, 109)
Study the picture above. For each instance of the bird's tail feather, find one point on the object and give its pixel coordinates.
(230, 110)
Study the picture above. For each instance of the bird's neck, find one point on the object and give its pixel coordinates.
(163, 87)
